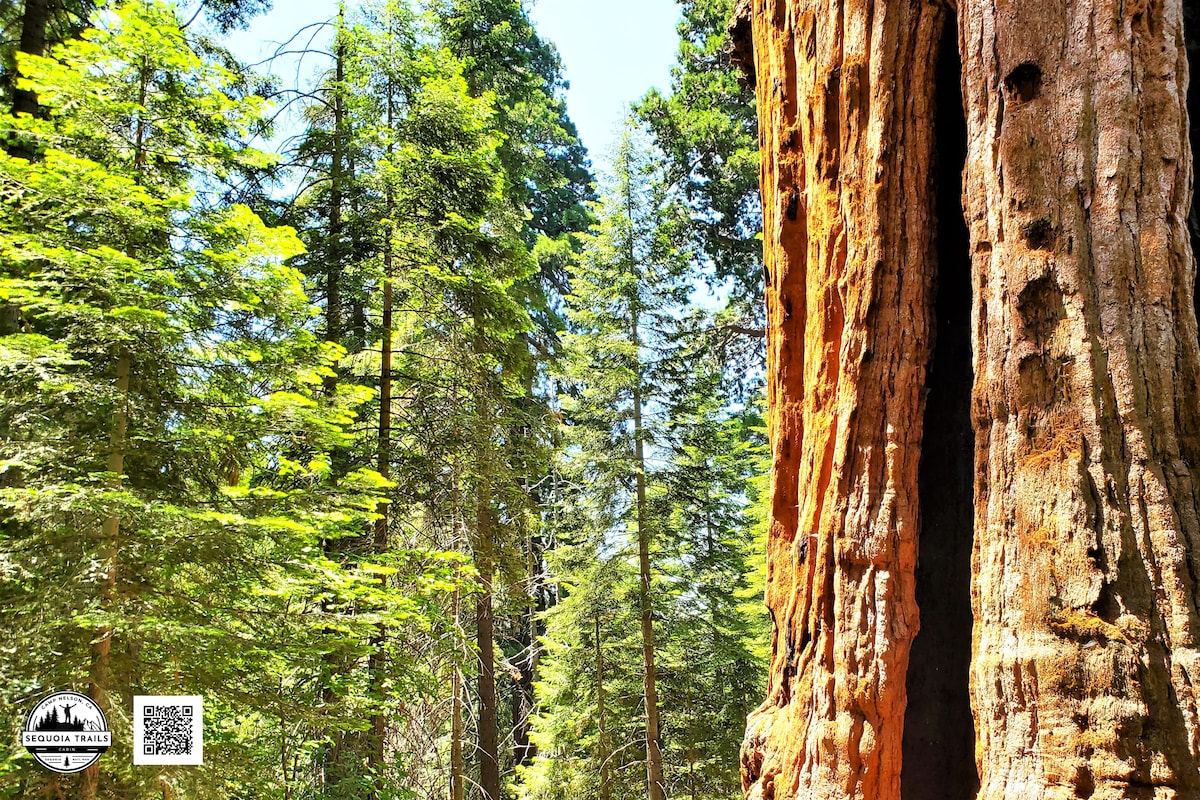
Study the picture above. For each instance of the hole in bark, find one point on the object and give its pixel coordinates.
(1041, 307)
(1035, 384)
(833, 124)
(939, 731)
(1107, 606)
(1039, 234)
(1085, 784)
(1024, 82)
(741, 42)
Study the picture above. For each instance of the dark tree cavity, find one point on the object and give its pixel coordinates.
(939, 734)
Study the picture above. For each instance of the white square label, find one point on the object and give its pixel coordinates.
(168, 729)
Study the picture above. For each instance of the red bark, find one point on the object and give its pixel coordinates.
(845, 93)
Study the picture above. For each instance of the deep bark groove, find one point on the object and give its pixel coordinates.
(1191, 32)
(1085, 591)
(939, 731)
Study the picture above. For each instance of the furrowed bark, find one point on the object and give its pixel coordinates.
(1086, 405)
(845, 92)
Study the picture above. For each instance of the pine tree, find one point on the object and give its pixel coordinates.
(623, 296)
(545, 173)
(165, 453)
(431, 261)
(657, 468)
(707, 131)
(713, 662)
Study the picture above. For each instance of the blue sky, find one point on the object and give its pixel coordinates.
(613, 52)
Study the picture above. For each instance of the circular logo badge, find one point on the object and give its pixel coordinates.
(66, 732)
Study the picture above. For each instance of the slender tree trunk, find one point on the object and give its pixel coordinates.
(844, 94)
(603, 751)
(489, 734)
(100, 679)
(458, 772)
(110, 531)
(691, 736)
(33, 41)
(335, 255)
(357, 329)
(485, 543)
(332, 768)
(655, 786)
(377, 662)
(1086, 400)
(523, 695)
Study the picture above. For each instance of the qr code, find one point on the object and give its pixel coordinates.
(168, 730)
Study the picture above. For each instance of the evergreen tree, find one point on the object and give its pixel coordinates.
(713, 661)
(623, 296)
(430, 267)
(707, 132)
(32, 26)
(165, 455)
(653, 543)
(319, 474)
(547, 182)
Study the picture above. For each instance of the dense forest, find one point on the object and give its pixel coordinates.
(442, 464)
(362, 408)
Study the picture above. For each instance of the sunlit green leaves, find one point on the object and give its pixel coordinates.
(226, 497)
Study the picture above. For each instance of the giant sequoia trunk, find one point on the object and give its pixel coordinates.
(1085, 404)
(1085, 408)
(845, 94)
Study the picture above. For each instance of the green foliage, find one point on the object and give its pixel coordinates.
(411, 195)
(707, 129)
(707, 132)
(544, 162)
(66, 19)
(175, 338)
(203, 491)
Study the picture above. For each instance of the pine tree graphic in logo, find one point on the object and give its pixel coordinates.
(66, 732)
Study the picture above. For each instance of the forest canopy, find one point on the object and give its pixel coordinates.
(432, 460)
